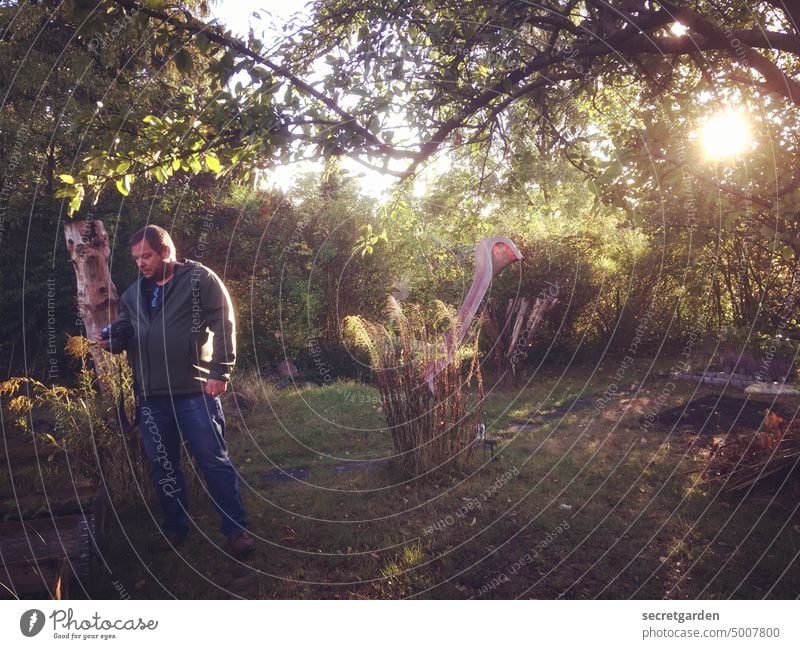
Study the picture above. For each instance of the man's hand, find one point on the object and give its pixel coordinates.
(101, 343)
(215, 387)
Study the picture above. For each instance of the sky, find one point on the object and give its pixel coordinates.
(237, 16)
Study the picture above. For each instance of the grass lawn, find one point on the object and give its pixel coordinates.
(582, 502)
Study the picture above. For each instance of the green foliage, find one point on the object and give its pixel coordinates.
(471, 74)
(365, 244)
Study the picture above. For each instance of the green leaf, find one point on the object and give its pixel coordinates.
(611, 173)
(212, 162)
(75, 203)
(202, 42)
(124, 184)
(787, 253)
(77, 199)
(183, 61)
(153, 120)
(123, 166)
(67, 179)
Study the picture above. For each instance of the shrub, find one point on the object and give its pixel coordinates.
(84, 424)
(728, 360)
(750, 365)
(779, 369)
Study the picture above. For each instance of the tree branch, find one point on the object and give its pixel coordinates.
(193, 26)
(688, 44)
(774, 76)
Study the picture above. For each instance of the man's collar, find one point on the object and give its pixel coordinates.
(179, 267)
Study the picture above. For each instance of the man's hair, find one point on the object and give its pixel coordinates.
(156, 236)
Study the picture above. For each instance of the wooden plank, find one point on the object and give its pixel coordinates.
(522, 310)
(51, 502)
(16, 451)
(30, 542)
(50, 578)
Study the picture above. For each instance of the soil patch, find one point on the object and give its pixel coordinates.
(713, 415)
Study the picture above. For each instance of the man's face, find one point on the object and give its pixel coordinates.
(150, 263)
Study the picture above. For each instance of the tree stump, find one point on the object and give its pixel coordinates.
(87, 244)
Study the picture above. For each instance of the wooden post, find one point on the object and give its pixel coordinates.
(510, 335)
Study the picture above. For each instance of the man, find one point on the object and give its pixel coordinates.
(182, 348)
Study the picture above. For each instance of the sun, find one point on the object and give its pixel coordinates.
(678, 29)
(725, 134)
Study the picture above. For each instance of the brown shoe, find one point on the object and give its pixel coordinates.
(242, 544)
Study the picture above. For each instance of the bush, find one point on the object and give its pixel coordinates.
(85, 424)
(779, 369)
(729, 361)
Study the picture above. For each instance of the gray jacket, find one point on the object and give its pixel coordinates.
(190, 338)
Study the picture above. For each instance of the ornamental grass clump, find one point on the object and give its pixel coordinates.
(434, 430)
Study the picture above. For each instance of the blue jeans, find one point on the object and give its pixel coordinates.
(198, 418)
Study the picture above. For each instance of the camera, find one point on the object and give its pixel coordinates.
(118, 334)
